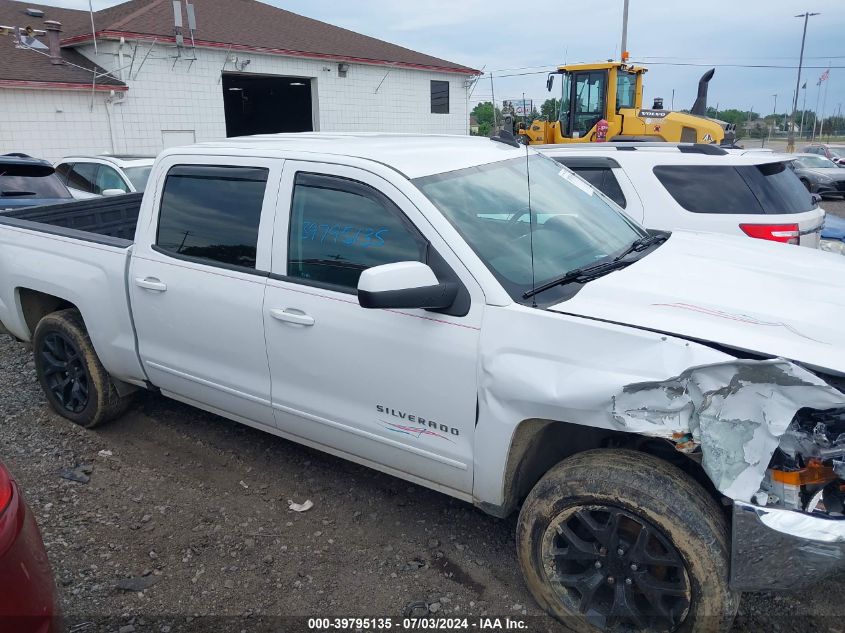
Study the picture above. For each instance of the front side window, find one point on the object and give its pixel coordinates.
(567, 225)
(341, 227)
(602, 178)
(212, 213)
(770, 188)
(588, 96)
(83, 177)
(439, 97)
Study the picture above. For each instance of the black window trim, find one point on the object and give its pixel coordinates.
(204, 261)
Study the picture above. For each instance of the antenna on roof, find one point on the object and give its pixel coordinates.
(177, 25)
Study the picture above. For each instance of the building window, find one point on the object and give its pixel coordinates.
(440, 97)
(211, 213)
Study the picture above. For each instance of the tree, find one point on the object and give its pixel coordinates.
(483, 113)
(549, 109)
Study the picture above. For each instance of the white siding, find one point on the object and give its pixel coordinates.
(185, 97)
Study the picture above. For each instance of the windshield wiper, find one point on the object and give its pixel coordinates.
(9, 194)
(589, 273)
(642, 244)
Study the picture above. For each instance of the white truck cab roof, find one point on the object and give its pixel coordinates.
(414, 157)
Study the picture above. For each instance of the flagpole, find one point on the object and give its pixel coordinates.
(816, 111)
(824, 102)
(803, 110)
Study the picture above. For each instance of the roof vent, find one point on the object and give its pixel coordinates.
(35, 13)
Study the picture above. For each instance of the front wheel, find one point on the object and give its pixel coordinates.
(74, 380)
(615, 540)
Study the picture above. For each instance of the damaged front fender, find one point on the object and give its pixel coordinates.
(737, 412)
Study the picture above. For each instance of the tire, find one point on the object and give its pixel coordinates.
(685, 550)
(76, 384)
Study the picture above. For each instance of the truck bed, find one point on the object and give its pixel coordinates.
(110, 220)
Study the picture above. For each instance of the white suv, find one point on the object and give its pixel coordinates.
(700, 188)
(104, 175)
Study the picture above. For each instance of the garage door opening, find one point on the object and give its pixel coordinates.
(261, 104)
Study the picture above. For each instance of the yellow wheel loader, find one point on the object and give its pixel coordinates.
(603, 102)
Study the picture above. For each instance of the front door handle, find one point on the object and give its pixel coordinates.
(150, 283)
(291, 315)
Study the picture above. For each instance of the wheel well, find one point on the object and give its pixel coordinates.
(35, 305)
(538, 445)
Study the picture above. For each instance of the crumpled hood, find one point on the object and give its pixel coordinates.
(772, 299)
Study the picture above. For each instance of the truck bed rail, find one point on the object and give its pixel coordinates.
(114, 216)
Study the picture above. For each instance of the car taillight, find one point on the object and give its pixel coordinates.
(5, 489)
(786, 233)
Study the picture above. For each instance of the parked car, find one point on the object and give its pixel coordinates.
(835, 153)
(833, 234)
(104, 175)
(465, 314)
(819, 175)
(668, 186)
(27, 181)
(27, 588)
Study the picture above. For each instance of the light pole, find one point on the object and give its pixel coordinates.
(774, 120)
(790, 139)
(623, 51)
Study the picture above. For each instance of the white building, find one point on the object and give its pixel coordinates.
(151, 81)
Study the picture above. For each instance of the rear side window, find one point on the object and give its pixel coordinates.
(212, 213)
(753, 189)
(340, 227)
(602, 178)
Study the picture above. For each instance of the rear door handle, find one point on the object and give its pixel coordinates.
(291, 315)
(150, 283)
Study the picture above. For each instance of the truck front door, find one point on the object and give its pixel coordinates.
(395, 389)
(197, 283)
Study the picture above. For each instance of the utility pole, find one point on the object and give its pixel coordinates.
(623, 51)
(493, 95)
(790, 141)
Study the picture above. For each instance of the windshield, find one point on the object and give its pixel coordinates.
(573, 225)
(816, 162)
(138, 176)
(32, 187)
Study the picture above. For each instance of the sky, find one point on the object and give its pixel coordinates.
(507, 39)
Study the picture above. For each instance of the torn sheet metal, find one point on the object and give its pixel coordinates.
(737, 411)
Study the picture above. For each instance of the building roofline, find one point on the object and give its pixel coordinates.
(116, 35)
(60, 85)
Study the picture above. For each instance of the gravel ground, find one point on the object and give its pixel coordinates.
(188, 513)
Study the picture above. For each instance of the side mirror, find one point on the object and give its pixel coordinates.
(550, 81)
(404, 285)
(113, 192)
(817, 199)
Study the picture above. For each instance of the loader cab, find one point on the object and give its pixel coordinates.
(591, 92)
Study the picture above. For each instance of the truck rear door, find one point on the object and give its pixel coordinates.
(197, 283)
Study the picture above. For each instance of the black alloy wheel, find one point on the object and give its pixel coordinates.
(65, 373)
(617, 569)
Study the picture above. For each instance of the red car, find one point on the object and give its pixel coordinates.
(27, 589)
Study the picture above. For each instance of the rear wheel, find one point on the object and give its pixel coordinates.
(615, 540)
(76, 384)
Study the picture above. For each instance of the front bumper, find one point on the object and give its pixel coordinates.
(783, 550)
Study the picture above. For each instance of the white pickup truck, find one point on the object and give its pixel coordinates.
(665, 409)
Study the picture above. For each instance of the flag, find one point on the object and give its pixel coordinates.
(804, 87)
(824, 76)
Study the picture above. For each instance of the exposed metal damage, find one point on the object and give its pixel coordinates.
(738, 413)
